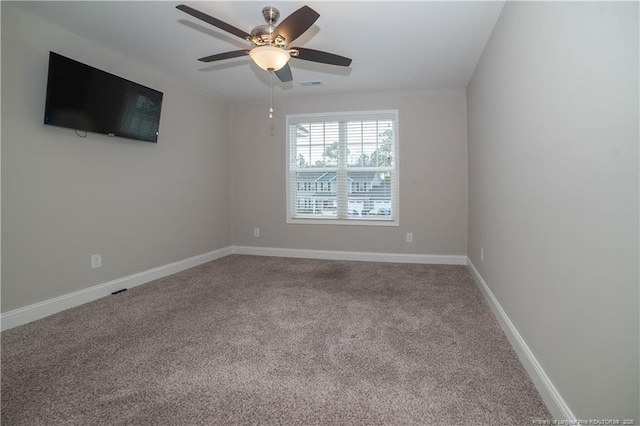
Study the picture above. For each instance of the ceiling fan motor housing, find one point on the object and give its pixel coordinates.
(261, 35)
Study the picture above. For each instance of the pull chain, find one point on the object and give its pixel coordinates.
(271, 99)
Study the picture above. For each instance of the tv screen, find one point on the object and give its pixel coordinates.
(85, 98)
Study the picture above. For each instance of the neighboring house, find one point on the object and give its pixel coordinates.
(369, 193)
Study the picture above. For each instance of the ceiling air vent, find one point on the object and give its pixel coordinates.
(311, 83)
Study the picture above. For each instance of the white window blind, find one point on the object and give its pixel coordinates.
(343, 168)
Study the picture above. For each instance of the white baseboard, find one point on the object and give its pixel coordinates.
(39, 310)
(550, 395)
(352, 255)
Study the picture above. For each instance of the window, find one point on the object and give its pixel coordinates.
(348, 162)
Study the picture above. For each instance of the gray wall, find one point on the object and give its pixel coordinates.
(139, 204)
(433, 175)
(553, 192)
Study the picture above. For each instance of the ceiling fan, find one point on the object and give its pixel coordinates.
(271, 49)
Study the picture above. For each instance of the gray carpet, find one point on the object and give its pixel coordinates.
(265, 340)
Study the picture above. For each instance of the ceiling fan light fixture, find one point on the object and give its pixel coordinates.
(270, 58)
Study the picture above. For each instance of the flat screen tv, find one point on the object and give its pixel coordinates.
(85, 98)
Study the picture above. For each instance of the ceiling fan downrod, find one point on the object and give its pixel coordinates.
(271, 15)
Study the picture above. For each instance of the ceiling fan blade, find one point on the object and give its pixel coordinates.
(225, 55)
(322, 57)
(215, 22)
(284, 74)
(296, 24)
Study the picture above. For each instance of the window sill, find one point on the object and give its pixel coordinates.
(355, 222)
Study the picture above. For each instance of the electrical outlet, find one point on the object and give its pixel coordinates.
(409, 237)
(256, 232)
(96, 261)
(481, 255)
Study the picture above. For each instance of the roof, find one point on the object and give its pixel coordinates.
(330, 176)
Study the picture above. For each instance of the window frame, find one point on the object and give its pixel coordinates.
(345, 116)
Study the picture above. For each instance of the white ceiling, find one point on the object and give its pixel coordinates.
(394, 45)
